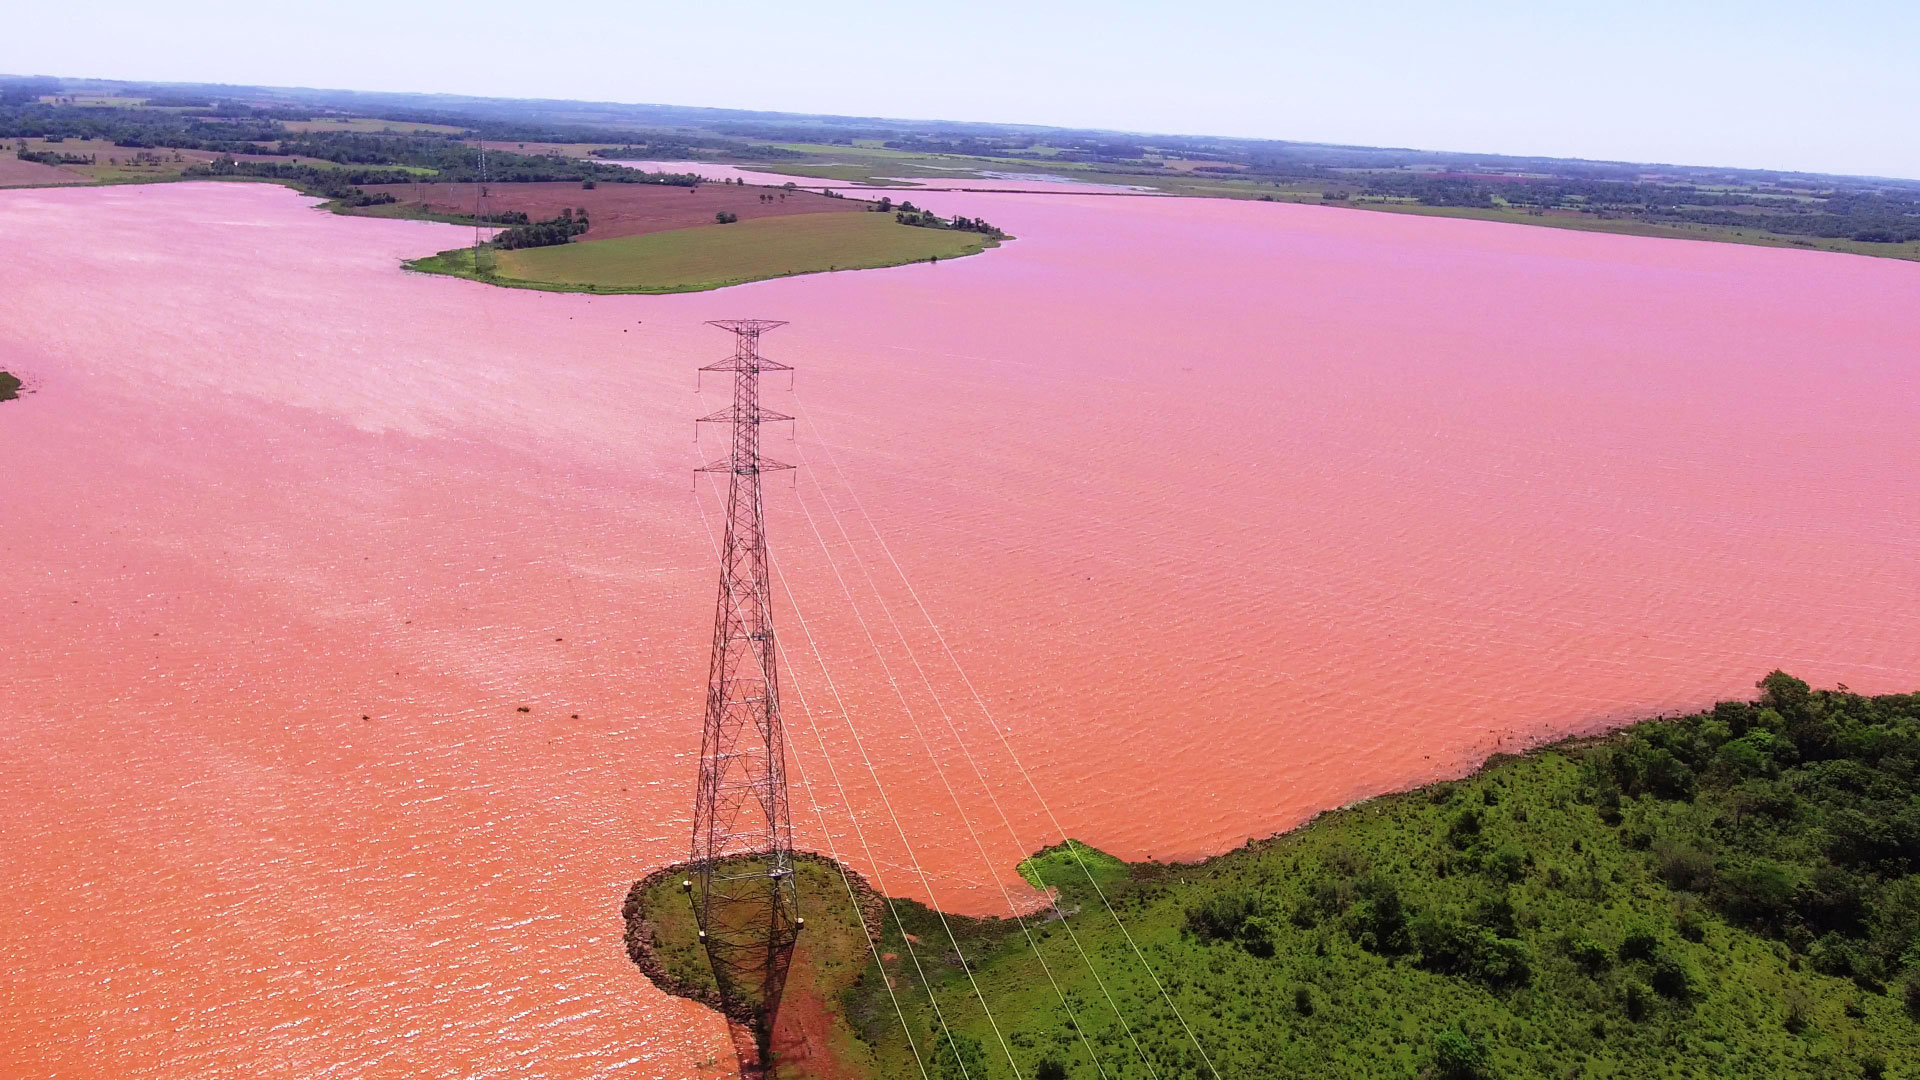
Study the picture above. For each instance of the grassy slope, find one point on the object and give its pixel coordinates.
(714, 256)
(1551, 935)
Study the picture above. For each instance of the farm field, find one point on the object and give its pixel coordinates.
(17, 173)
(614, 209)
(715, 256)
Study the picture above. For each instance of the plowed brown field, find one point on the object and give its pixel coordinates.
(17, 173)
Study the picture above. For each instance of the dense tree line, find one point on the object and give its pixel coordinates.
(453, 160)
(52, 157)
(327, 182)
(1800, 820)
(1891, 215)
(908, 214)
(139, 128)
(560, 229)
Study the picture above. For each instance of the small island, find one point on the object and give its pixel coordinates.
(1727, 893)
(730, 251)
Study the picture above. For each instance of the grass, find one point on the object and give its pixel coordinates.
(1727, 894)
(1071, 862)
(715, 256)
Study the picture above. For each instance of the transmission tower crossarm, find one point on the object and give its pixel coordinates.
(732, 414)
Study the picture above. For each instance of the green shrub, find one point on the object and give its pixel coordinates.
(1684, 867)
(1638, 945)
(1459, 1055)
(1465, 829)
(1639, 1001)
(1240, 917)
(1671, 978)
(1509, 863)
(1378, 920)
(1799, 1011)
(1592, 957)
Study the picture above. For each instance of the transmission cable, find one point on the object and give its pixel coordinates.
(953, 730)
(987, 713)
(925, 883)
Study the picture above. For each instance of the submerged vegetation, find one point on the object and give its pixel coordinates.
(1732, 893)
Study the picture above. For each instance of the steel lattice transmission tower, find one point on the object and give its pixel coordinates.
(742, 880)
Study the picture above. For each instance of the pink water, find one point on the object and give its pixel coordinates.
(1038, 181)
(1233, 512)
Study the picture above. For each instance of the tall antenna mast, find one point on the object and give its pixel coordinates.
(742, 885)
(479, 205)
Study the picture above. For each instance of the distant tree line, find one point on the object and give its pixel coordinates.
(324, 181)
(139, 128)
(51, 157)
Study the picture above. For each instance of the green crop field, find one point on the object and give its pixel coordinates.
(1729, 894)
(715, 256)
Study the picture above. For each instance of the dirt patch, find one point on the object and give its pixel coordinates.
(622, 209)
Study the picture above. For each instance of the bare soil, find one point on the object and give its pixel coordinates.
(622, 209)
(17, 173)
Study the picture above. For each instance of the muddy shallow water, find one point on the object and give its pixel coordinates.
(1232, 511)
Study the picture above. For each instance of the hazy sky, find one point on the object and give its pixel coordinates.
(1832, 86)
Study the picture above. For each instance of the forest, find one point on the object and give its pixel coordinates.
(1731, 892)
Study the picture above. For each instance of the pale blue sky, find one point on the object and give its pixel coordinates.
(1831, 86)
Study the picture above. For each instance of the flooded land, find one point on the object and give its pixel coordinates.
(356, 620)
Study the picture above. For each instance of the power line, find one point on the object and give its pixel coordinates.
(952, 729)
(925, 883)
(985, 712)
(833, 853)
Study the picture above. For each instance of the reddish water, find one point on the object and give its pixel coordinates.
(1234, 512)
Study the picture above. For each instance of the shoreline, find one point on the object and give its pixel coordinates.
(1595, 898)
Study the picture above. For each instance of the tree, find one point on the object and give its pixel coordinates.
(725, 218)
(1050, 1070)
(1459, 1055)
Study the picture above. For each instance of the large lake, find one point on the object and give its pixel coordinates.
(1232, 511)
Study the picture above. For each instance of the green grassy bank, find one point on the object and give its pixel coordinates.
(1728, 894)
(713, 256)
